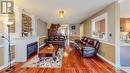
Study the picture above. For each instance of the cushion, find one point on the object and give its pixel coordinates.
(50, 39)
(60, 39)
(88, 40)
(85, 39)
(95, 42)
(81, 41)
(56, 39)
(88, 48)
(84, 43)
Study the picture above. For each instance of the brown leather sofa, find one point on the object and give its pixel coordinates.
(57, 40)
(87, 47)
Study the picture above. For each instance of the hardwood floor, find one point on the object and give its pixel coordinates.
(72, 63)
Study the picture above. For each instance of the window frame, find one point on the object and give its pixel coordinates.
(93, 25)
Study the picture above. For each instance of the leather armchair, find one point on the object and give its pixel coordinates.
(87, 47)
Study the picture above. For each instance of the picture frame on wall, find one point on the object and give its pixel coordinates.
(73, 27)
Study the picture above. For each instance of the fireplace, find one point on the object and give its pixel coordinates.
(32, 49)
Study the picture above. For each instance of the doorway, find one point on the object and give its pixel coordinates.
(125, 34)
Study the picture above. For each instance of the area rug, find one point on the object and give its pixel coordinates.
(47, 62)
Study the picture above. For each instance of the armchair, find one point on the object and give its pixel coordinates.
(87, 47)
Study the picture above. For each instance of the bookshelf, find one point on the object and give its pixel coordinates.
(26, 25)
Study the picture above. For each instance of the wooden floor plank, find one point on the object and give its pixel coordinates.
(73, 63)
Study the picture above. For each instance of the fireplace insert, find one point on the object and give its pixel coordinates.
(32, 49)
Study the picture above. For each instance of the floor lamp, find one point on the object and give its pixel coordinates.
(9, 46)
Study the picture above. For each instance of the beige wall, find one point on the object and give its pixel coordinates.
(87, 28)
(106, 50)
(111, 22)
(75, 32)
(1, 57)
(41, 28)
(73, 38)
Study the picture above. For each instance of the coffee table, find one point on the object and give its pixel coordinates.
(48, 52)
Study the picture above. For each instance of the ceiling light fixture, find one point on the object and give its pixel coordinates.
(120, 1)
(61, 13)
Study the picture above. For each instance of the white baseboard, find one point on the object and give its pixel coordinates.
(5, 66)
(103, 58)
(41, 46)
(127, 69)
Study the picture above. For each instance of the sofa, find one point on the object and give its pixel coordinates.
(87, 47)
(55, 40)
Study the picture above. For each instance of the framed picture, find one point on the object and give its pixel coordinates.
(73, 27)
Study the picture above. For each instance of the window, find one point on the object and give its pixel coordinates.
(7, 7)
(99, 27)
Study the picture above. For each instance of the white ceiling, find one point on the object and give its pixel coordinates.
(75, 10)
(125, 8)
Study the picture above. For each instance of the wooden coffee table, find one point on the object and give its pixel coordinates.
(48, 52)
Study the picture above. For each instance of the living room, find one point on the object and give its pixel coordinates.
(64, 36)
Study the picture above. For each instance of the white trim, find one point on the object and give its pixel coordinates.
(106, 60)
(74, 35)
(117, 34)
(98, 18)
(41, 36)
(4, 66)
(126, 69)
(38, 42)
(107, 43)
(26, 13)
(1, 45)
(42, 45)
(103, 58)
